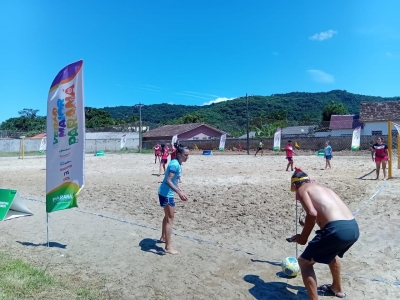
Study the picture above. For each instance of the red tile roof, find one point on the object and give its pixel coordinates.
(39, 136)
(344, 122)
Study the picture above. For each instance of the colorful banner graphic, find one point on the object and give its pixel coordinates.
(123, 142)
(355, 142)
(222, 142)
(42, 147)
(65, 159)
(11, 205)
(277, 140)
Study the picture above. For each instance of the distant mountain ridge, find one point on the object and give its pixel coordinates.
(231, 114)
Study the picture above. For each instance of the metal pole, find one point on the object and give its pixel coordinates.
(47, 223)
(140, 125)
(390, 143)
(247, 129)
(297, 245)
(398, 150)
(140, 129)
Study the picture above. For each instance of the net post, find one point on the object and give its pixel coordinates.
(390, 149)
(398, 150)
(297, 245)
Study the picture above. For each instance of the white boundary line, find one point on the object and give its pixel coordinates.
(365, 202)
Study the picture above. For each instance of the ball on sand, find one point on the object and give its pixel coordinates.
(290, 266)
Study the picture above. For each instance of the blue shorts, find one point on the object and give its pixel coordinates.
(328, 157)
(289, 158)
(334, 239)
(164, 201)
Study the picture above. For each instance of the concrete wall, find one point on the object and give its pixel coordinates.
(13, 145)
(94, 141)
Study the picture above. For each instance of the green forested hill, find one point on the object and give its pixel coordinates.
(296, 108)
(266, 113)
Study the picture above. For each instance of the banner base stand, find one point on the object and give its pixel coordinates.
(99, 153)
(11, 205)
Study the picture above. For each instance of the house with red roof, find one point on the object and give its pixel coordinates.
(191, 131)
(344, 125)
(339, 125)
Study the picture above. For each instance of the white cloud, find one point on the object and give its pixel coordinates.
(220, 99)
(196, 95)
(323, 35)
(392, 55)
(321, 76)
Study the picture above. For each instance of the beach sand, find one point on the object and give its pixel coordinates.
(230, 234)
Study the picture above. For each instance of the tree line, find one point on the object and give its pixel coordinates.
(266, 113)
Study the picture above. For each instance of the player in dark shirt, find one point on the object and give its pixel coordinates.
(379, 154)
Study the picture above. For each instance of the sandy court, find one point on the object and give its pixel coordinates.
(231, 233)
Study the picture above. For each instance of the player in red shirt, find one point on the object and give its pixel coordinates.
(157, 153)
(289, 155)
(164, 158)
(379, 154)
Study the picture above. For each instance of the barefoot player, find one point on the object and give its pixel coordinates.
(289, 155)
(338, 232)
(168, 187)
(379, 153)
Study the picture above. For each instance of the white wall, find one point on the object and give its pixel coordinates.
(111, 135)
(107, 141)
(377, 126)
(322, 133)
(343, 132)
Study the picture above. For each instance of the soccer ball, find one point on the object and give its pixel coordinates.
(290, 266)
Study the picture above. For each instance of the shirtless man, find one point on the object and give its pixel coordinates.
(339, 231)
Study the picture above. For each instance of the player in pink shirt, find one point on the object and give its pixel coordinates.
(289, 155)
(164, 158)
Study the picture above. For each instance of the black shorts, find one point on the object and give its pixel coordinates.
(334, 239)
(259, 149)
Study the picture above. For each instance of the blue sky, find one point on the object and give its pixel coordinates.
(197, 52)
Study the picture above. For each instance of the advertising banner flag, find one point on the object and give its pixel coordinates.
(355, 142)
(174, 139)
(222, 142)
(42, 146)
(65, 158)
(277, 140)
(123, 142)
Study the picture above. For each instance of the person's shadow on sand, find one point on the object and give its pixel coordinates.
(274, 290)
(149, 245)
